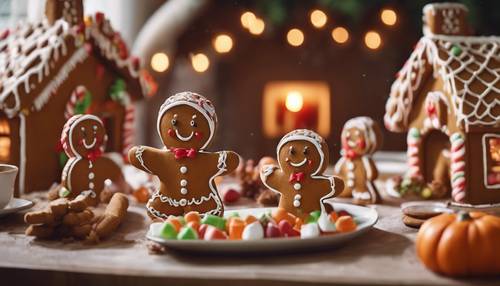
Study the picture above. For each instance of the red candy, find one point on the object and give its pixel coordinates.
(272, 230)
(231, 196)
(202, 229)
(286, 229)
(213, 233)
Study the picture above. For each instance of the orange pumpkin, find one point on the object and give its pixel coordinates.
(462, 244)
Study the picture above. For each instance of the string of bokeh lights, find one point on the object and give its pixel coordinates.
(223, 43)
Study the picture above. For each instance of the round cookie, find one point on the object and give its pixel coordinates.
(360, 138)
(186, 125)
(86, 171)
(302, 157)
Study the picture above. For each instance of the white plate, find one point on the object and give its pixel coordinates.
(367, 217)
(16, 205)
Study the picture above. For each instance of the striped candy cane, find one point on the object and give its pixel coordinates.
(414, 142)
(457, 167)
(76, 96)
(128, 128)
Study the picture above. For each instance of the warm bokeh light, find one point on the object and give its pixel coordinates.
(389, 17)
(159, 62)
(294, 101)
(340, 35)
(295, 37)
(373, 40)
(257, 26)
(247, 19)
(318, 18)
(223, 43)
(200, 62)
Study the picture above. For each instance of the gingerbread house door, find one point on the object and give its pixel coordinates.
(436, 151)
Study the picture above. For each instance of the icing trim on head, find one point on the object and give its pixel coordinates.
(366, 125)
(67, 133)
(307, 135)
(196, 101)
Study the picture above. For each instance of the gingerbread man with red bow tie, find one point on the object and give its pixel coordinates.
(186, 125)
(88, 168)
(302, 158)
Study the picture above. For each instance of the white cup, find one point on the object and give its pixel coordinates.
(8, 175)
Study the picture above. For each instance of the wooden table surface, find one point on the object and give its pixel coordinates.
(384, 255)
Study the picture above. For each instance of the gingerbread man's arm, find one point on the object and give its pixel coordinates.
(335, 187)
(271, 177)
(337, 170)
(370, 168)
(142, 158)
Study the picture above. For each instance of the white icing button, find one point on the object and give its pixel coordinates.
(296, 203)
(91, 175)
(184, 183)
(298, 197)
(350, 175)
(182, 202)
(297, 186)
(350, 183)
(350, 166)
(91, 185)
(183, 170)
(184, 191)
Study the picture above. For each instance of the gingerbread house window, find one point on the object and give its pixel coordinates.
(491, 160)
(4, 140)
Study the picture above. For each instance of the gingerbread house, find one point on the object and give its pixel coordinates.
(447, 97)
(52, 70)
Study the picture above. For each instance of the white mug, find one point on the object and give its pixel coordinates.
(8, 175)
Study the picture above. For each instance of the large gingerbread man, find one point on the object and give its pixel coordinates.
(87, 171)
(361, 137)
(186, 125)
(302, 158)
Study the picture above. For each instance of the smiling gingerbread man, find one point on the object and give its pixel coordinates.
(302, 158)
(361, 137)
(87, 171)
(186, 125)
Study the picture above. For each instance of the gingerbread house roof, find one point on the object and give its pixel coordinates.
(30, 54)
(470, 70)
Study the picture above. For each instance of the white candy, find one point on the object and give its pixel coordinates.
(309, 230)
(297, 186)
(325, 224)
(155, 229)
(253, 231)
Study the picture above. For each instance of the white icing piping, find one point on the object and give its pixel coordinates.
(365, 124)
(22, 153)
(298, 164)
(80, 119)
(182, 138)
(298, 137)
(138, 155)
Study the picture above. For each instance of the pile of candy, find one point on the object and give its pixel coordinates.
(277, 224)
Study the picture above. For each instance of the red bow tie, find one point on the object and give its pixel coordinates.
(180, 153)
(350, 154)
(296, 177)
(94, 154)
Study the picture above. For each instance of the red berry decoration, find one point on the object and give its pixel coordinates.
(231, 196)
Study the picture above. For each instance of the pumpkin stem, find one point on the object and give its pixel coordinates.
(463, 216)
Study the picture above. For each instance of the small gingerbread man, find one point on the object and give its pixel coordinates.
(361, 137)
(302, 157)
(87, 171)
(186, 125)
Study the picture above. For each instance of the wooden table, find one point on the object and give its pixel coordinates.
(385, 255)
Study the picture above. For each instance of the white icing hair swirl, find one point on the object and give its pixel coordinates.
(307, 135)
(196, 101)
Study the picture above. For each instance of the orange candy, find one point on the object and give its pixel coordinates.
(175, 222)
(345, 224)
(333, 216)
(291, 218)
(280, 214)
(194, 225)
(236, 227)
(298, 224)
(192, 216)
(249, 219)
(141, 194)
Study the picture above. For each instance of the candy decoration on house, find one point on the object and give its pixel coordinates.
(302, 158)
(186, 125)
(55, 69)
(88, 170)
(448, 93)
(361, 137)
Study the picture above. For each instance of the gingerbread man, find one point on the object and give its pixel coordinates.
(361, 137)
(302, 157)
(186, 125)
(87, 171)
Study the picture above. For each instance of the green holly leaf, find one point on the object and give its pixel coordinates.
(63, 158)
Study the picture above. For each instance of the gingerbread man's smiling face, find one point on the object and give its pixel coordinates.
(301, 156)
(354, 139)
(183, 126)
(87, 134)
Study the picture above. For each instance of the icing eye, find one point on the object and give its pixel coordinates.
(174, 122)
(306, 150)
(193, 123)
(291, 150)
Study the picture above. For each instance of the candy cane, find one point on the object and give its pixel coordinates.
(458, 167)
(128, 128)
(414, 141)
(76, 95)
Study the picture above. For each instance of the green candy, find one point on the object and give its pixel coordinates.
(313, 216)
(168, 231)
(187, 233)
(213, 220)
(182, 220)
(456, 50)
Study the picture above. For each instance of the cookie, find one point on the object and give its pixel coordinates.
(361, 137)
(412, 222)
(87, 169)
(302, 158)
(186, 125)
